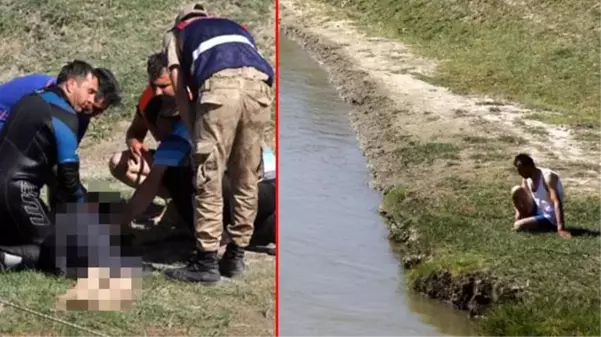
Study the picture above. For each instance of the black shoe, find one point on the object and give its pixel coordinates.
(203, 268)
(232, 262)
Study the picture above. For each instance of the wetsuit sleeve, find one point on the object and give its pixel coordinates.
(68, 179)
(173, 152)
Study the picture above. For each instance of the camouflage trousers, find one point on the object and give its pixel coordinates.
(230, 117)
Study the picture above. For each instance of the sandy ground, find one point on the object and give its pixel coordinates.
(380, 78)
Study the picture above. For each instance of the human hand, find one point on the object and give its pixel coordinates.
(564, 234)
(136, 148)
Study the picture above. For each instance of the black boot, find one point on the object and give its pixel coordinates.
(203, 268)
(232, 262)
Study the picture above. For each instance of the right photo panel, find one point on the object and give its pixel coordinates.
(439, 168)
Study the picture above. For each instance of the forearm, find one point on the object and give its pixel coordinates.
(69, 183)
(181, 96)
(140, 201)
(133, 134)
(145, 193)
(559, 215)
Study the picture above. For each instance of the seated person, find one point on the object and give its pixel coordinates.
(172, 171)
(539, 200)
(48, 118)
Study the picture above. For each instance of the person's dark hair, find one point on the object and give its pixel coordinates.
(523, 160)
(75, 69)
(108, 87)
(155, 65)
(160, 106)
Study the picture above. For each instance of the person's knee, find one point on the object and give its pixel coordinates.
(116, 165)
(516, 191)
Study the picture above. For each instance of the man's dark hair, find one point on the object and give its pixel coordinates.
(155, 65)
(108, 87)
(75, 69)
(523, 160)
(160, 106)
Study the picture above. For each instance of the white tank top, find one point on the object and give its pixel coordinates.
(541, 196)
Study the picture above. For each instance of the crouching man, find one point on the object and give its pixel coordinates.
(538, 202)
(172, 170)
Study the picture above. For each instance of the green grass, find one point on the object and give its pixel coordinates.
(41, 36)
(415, 152)
(544, 54)
(166, 308)
(467, 229)
(452, 223)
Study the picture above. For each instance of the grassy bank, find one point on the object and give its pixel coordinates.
(40, 36)
(544, 54)
(458, 247)
(446, 182)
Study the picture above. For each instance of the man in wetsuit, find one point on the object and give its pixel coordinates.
(108, 95)
(171, 168)
(40, 133)
(218, 61)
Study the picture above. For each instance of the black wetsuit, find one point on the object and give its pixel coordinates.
(41, 135)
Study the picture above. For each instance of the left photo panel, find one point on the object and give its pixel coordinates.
(138, 160)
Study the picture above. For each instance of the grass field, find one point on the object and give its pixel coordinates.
(447, 179)
(544, 54)
(41, 36)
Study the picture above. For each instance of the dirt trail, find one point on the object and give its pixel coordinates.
(396, 103)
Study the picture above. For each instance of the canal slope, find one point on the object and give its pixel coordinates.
(443, 164)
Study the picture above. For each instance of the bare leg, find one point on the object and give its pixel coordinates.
(132, 173)
(524, 209)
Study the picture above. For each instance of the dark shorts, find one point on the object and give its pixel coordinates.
(542, 221)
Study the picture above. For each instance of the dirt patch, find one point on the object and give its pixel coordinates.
(389, 103)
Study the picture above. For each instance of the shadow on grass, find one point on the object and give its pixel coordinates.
(575, 231)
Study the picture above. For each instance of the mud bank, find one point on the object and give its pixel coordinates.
(443, 165)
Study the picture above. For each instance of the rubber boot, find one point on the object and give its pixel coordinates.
(202, 267)
(232, 262)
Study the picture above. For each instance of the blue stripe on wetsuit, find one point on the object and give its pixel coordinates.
(67, 140)
(175, 148)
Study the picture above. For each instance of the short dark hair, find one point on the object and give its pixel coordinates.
(159, 106)
(108, 87)
(155, 66)
(523, 160)
(75, 69)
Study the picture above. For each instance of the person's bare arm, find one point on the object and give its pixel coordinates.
(552, 183)
(137, 130)
(177, 79)
(144, 194)
(181, 96)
